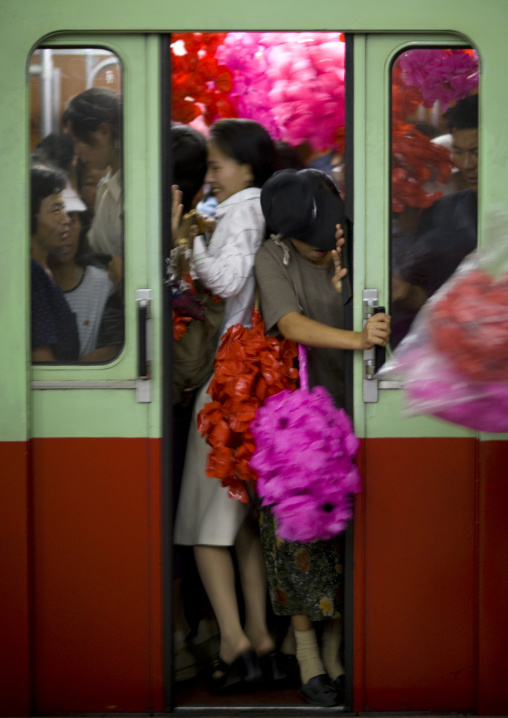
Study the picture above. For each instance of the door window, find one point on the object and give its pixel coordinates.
(434, 174)
(76, 233)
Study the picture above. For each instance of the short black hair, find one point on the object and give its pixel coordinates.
(248, 143)
(88, 110)
(303, 205)
(463, 115)
(188, 156)
(43, 182)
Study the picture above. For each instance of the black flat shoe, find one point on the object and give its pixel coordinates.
(339, 687)
(320, 691)
(243, 670)
(272, 667)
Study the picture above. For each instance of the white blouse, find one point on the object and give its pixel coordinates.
(226, 265)
(106, 232)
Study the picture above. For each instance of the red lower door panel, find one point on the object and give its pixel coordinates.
(493, 580)
(14, 612)
(415, 585)
(82, 539)
(96, 576)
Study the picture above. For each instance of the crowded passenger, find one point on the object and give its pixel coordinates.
(86, 288)
(94, 121)
(88, 179)
(446, 232)
(448, 229)
(195, 632)
(54, 331)
(241, 157)
(300, 276)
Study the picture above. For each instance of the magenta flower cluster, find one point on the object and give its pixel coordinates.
(291, 83)
(444, 75)
(304, 454)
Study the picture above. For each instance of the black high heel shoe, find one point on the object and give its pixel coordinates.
(243, 670)
(273, 667)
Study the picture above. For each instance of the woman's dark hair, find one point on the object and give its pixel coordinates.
(321, 178)
(88, 110)
(43, 182)
(248, 143)
(57, 149)
(188, 154)
(303, 205)
(463, 115)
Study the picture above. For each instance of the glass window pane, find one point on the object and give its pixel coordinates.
(434, 153)
(76, 233)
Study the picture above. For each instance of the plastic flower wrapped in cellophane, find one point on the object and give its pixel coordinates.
(304, 457)
(249, 367)
(454, 361)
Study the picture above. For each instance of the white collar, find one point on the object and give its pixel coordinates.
(244, 194)
(114, 184)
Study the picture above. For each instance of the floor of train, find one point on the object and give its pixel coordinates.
(194, 692)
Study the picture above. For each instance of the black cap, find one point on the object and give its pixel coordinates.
(303, 205)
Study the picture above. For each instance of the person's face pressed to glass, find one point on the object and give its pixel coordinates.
(52, 223)
(66, 250)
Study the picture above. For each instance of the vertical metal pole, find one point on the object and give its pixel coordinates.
(55, 99)
(46, 92)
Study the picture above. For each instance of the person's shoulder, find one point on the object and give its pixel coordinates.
(244, 215)
(39, 277)
(246, 201)
(98, 274)
(273, 250)
(445, 209)
(453, 199)
(269, 247)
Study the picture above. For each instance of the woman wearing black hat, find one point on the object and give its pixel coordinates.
(299, 274)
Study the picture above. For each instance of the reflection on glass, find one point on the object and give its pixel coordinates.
(77, 238)
(434, 149)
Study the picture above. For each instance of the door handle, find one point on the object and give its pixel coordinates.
(373, 358)
(143, 384)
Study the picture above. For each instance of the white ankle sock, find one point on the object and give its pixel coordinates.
(307, 653)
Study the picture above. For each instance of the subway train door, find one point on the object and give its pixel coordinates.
(425, 522)
(95, 425)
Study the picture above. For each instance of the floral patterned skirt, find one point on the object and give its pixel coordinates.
(303, 578)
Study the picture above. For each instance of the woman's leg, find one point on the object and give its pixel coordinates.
(215, 566)
(251, 567)
(307, 649)
(332, 638)
(316, 686)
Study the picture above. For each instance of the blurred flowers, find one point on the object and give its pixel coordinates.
(454, 361)
(200, 85)
(291, 83)
(443, 76)
(469, 325)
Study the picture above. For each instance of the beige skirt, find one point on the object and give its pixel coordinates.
(205, 514)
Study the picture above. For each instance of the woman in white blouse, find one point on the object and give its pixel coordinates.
(241, 157)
